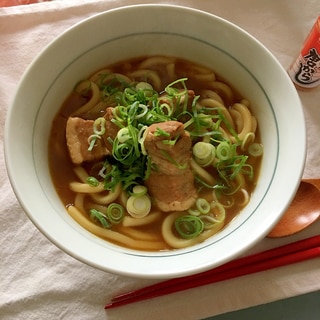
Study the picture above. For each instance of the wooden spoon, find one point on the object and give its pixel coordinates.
(304, 210)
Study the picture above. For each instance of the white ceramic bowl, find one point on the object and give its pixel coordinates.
(134, 31)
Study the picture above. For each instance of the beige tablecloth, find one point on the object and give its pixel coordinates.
(39, 281)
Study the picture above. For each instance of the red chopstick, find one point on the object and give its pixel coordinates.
(291, 253)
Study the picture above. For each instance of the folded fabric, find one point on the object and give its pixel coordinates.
(39, 280)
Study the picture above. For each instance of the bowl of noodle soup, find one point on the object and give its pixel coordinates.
(157, 149)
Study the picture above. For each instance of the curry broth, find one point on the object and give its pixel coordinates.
(61, 167)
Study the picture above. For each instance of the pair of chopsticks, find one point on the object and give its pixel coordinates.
(288, 254)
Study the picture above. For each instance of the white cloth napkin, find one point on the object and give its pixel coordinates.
(39, 281)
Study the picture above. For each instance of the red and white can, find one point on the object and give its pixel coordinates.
(305, 70)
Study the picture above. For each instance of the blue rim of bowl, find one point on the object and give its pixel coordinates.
(191, 249)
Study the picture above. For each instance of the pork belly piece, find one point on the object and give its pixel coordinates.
(78, 131)
(171, 181)
(172, 192)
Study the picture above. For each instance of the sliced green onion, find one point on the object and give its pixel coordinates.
(171, 142)
(255, 149)
(133, 110)
(238, 165)
(194, 212)
(135, 144)
(92, 141)
(144, 86)
(102, 171)
(92, 181)
(129, 95)
(128, 151)
(228, 125)
(195, 114)
(139, 190)
(189, 226)
(115, 213)
(203, 205)
(120, 114)
(147, 171)
(205, 120)
(96, 215)
(123, 135)
(166, 109)
(173, 91)
(154, 116)
(159, 132)
(144, 111)
(99, 126)
(219, 196)
(99, 129)
(216, 216)
(138, 207)
(141, 138)
(204, 153)
(248, 170)
(224, 151)
(188, 123)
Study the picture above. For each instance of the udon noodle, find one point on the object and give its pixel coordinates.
(155, 153)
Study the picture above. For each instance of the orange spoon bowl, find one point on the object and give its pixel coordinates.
(303, 211)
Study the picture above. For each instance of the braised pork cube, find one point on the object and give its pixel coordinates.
(171, 181)
(178, 102)
(111, 128)
(78, 132)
